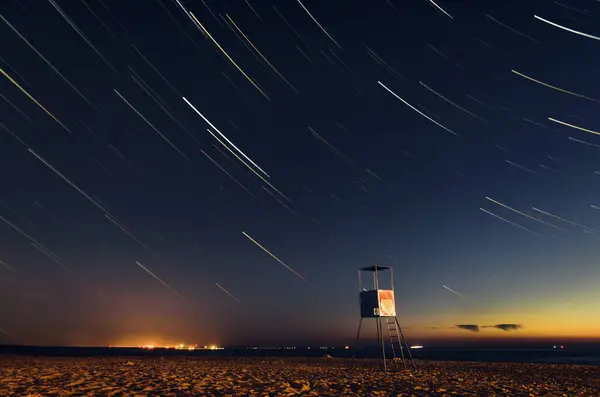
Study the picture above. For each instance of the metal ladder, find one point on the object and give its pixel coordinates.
(395, 340)
(398, 342)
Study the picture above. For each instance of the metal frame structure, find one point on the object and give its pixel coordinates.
(392, 322)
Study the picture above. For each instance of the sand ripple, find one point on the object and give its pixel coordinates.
(41, 377)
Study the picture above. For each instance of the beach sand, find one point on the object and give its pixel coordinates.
(191, 376)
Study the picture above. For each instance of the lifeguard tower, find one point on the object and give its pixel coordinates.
(379, 303)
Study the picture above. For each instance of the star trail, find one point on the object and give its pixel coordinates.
(149, 148)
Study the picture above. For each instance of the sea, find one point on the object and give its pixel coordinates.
(581, 354)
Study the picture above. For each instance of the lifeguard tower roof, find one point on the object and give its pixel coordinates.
(375, 268)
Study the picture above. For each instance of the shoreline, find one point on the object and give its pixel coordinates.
(568, 355)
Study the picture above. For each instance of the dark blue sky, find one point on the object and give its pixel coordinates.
(394, 187)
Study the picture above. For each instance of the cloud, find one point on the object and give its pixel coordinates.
(477, 328)
(468, 327)
(506, 327)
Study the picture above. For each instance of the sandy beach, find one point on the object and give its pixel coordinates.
(185, 376)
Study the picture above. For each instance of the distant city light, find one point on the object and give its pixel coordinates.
(416, 347)
(181, 346)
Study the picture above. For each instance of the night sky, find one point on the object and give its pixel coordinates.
(456, 141)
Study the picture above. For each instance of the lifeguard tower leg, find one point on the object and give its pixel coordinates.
(356, 343)
(380, 341)
(406, 344)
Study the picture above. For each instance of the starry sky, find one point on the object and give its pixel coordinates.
(216, 171)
